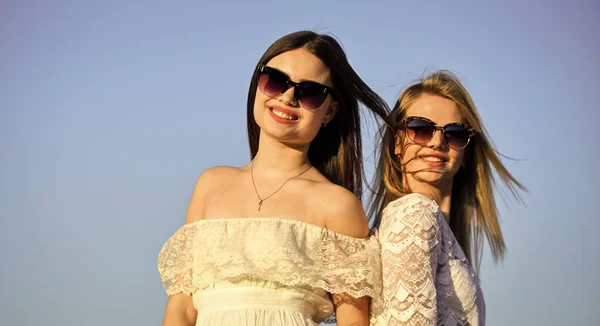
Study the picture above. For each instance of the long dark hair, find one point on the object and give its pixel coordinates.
(336, 151)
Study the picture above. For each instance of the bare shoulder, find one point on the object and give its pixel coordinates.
(343, 210)
(217, 173)
(214, 176)
(205, 184)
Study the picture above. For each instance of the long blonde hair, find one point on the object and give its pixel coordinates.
(473, 207)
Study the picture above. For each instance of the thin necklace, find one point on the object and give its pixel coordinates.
(260, 200)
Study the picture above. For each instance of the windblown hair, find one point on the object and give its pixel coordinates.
(336, 151)
(473, 206)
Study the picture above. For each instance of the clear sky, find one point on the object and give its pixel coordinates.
(109, 111)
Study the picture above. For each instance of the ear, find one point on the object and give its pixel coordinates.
(331, 111)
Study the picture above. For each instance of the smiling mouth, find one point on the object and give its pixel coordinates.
(433, 159)
(283, 115)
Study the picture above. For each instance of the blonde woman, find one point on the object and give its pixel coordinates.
(435, 201)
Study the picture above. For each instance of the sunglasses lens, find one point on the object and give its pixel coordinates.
(310, 95)
(457, 137)
(420, 131)
(271, 83)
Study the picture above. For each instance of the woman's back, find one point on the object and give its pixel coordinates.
(428, 279)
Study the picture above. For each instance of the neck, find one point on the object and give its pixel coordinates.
(441, 193)
(275, 159)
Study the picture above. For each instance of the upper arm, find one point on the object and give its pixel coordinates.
(345, 215)
(180, 308)
(410, 246)
(202, 188)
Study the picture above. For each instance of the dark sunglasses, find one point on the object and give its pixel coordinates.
(273, 83)
(420, 130)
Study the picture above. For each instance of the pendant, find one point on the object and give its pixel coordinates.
(259, 204)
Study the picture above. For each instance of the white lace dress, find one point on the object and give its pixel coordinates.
(427, 279)
(266, 271)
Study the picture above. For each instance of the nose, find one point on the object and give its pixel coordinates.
(437, 140)
(288, 97)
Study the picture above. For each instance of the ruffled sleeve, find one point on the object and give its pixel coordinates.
(289, 253)
(176, 259)
(350, 265)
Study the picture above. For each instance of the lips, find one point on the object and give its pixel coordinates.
(283, 113)
(283, 116)
(434, 157)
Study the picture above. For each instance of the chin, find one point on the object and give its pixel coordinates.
(287, 137)
(433, 178)
(429, 177)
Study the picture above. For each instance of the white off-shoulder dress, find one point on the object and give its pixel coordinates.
(427, 280)
(266, 271)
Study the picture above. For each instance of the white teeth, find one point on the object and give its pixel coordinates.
(282, 115)
(432, 159)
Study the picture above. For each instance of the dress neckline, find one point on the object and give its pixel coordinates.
(254, 219)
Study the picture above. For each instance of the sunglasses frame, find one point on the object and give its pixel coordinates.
(264, 69)
(437, 127)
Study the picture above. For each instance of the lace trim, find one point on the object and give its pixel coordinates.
(409, 242)
(427, 279)
(288, 252)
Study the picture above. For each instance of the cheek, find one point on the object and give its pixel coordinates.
(259, 106)
(457, 159)
(312, 123)
(259, 100)
(408, 153)
(316, 116)
(313, 119)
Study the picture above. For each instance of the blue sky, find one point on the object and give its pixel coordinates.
(110, 110)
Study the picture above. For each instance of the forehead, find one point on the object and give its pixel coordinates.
(435, 108)
(301, 65)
